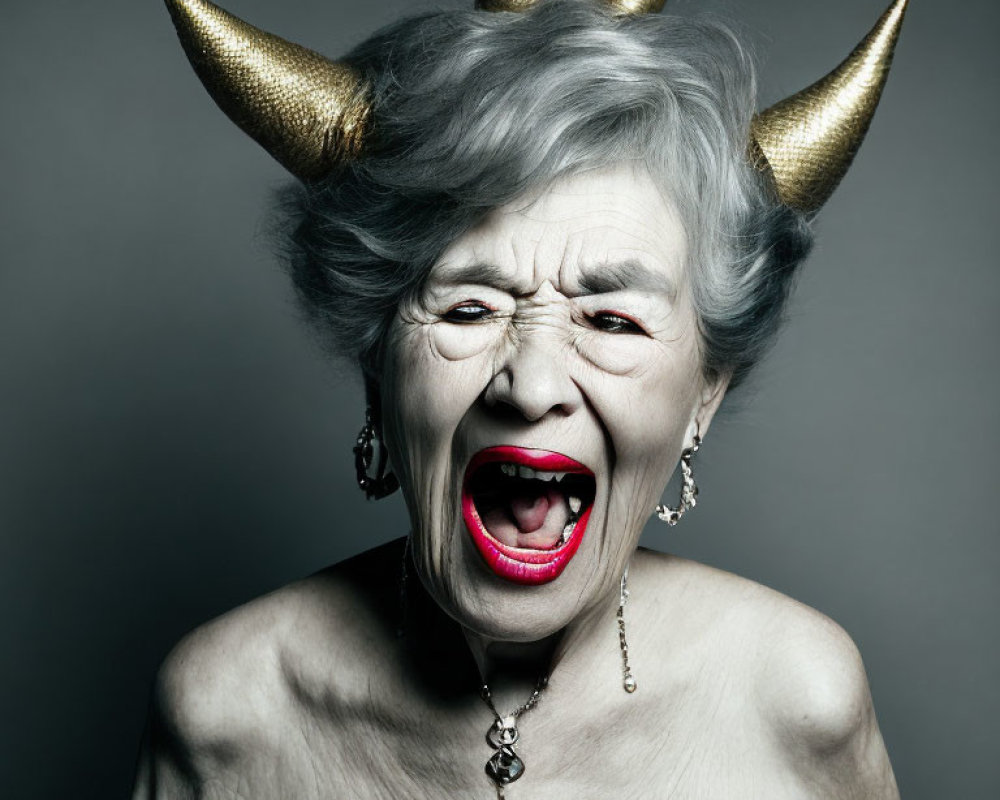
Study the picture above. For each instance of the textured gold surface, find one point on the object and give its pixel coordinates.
(810, 138)
(624, 6)
(311, 113)
(305, 110)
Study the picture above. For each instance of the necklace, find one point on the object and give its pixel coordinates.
(505, 766)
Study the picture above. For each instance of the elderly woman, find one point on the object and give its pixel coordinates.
(552, 240)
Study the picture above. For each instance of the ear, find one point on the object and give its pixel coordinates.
(712, 391)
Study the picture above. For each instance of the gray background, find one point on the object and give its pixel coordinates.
(172, 445)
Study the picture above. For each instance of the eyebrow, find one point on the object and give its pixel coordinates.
(477, 273)
(601, 278)
(622, 276)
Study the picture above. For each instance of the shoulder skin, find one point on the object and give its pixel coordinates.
(211, 698)
(815, 700)
(797, 672)
(233, 691)
(229, 688)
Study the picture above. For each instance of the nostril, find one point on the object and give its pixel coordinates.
(533, 380)
(532, 394)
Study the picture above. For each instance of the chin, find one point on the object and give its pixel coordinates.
(497, 608)
(515, 613)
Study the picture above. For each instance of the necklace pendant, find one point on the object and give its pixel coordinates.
(502, 732)
(505, 766)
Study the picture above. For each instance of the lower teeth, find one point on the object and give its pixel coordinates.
(568, 530)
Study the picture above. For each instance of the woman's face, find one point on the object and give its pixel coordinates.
(557, 337)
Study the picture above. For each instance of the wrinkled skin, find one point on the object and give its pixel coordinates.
(563, 322)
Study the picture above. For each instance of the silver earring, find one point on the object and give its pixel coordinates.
(628, 682)
(383, 482)
(689, 489)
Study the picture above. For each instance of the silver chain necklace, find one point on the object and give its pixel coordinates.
(505, 766)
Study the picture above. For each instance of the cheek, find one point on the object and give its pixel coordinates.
(646, 418)
(434, 374)
(615, 354)
(646, 408)
(460, 342)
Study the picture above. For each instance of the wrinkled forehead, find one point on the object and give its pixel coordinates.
(611, 225)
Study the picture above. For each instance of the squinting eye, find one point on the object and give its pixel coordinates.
(613, 322)
(468, 311)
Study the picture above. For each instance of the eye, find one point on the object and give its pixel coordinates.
(614, 322)
(468, 311)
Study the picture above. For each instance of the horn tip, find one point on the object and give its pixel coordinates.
(311, 114)
(807, 142)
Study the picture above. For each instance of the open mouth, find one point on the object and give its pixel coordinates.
(526, 510)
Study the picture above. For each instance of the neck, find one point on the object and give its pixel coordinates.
(512, 669)
(497, 660)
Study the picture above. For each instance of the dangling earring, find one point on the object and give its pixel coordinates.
(689, 489)
(628, 681)
(383, 482)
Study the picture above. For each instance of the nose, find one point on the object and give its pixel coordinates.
(534, 379)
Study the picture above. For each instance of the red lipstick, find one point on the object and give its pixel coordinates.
(525, 565)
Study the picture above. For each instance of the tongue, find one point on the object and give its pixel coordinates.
(529, 512)
(529, 518)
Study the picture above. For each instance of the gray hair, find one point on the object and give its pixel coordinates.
(472, 110)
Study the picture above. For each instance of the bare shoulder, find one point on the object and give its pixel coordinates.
(802, 673)
(806, 672)
(247, 677)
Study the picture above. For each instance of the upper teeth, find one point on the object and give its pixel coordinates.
(521, 471)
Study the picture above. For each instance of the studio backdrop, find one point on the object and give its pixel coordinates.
(172, 442)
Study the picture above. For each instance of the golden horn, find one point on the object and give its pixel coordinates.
(306, 111)
(810, 138)
(623, 6)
